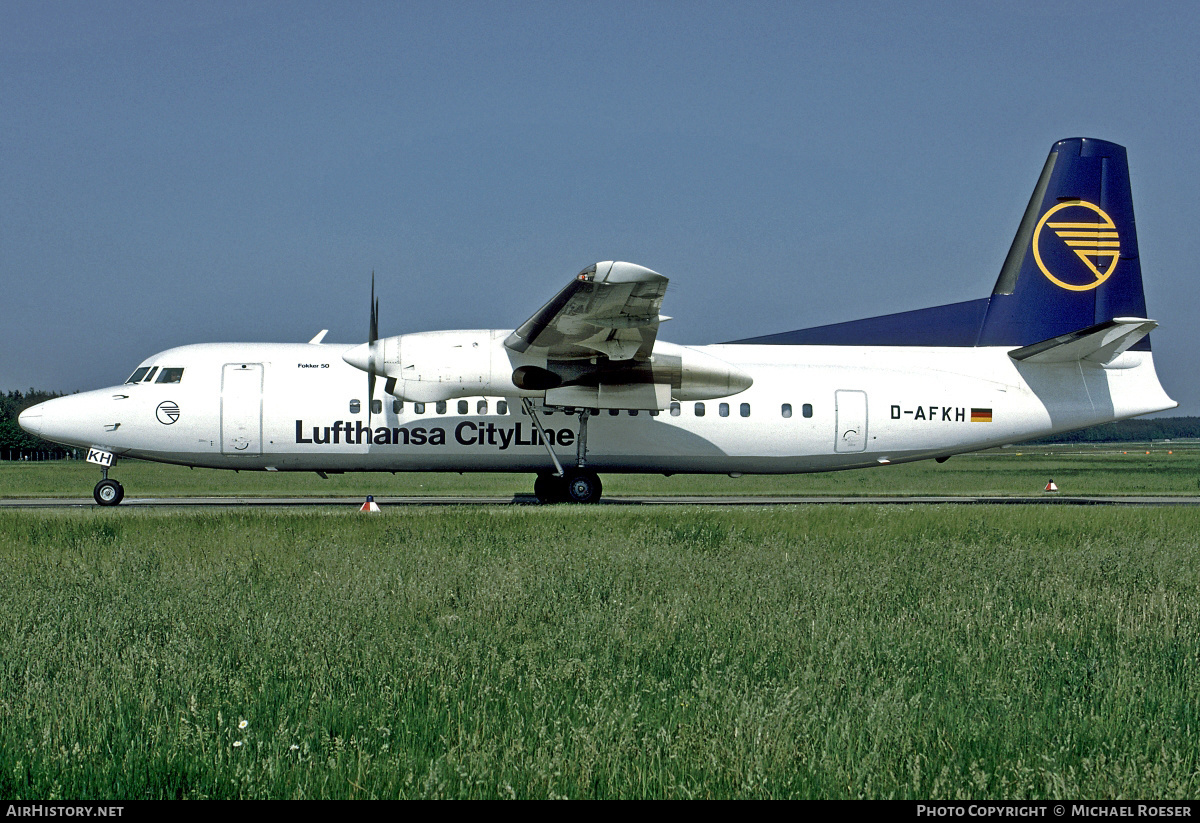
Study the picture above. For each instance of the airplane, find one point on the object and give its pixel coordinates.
(585, 386)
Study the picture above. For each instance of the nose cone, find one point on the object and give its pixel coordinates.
(73, 420)
(31, 419)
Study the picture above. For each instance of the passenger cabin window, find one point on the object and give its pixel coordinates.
(723, 409)
(613, 412)
(481, 407)
(699, 409)
(745, 410)
(501, 407)
(138, 374)
(376, 407)
(786, 410)
(441, 407)
(806, 409)
(675, 410)
(397, 406)
(418, 408)
(355, 407)
(463, 407)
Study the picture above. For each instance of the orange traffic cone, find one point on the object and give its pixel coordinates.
(370, 505)
(1050, 487)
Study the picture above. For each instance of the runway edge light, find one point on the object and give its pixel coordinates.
(370, 505)
(1050, 487)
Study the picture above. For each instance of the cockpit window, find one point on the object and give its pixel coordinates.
(138, 374)
(170, 376)
(150, 376)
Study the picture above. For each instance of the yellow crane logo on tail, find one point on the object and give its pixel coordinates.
(1096, 244)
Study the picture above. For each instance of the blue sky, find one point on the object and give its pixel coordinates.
(173, 173)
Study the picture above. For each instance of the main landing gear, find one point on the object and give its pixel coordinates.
(577, 485)
(108, 492)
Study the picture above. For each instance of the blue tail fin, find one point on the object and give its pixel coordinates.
(1073, 264)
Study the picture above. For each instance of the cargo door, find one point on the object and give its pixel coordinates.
(241, 408)
(851, 421)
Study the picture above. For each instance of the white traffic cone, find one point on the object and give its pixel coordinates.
(1050, 487)
(370, 505)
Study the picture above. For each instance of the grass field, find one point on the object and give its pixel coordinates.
(923, 652)
(500, 651)
(1120, 469)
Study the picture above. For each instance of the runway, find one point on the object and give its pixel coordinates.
(657, 500)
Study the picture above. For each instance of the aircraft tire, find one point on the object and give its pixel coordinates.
(550, 489)
(108, 492)
(583, 487)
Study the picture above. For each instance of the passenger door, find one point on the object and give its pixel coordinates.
(241, 408)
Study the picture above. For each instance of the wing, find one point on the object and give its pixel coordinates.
(609, 309)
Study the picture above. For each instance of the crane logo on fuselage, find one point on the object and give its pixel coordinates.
(167, 412)
(1078, 253)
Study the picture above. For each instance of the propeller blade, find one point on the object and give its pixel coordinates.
(372, 337)
(373, 334)
(370, 395)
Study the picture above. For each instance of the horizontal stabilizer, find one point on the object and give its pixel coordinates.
(1101, 343)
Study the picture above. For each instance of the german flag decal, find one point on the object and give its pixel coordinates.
(981, 415)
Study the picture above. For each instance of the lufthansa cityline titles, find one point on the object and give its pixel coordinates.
(466, 433)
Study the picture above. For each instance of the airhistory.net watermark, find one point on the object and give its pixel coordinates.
(61, 810)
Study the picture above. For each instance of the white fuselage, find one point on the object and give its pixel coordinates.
(299, 407)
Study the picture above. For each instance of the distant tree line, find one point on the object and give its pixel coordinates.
(1141, 430)
(18, 444)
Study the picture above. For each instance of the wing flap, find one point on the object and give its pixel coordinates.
(648, 396)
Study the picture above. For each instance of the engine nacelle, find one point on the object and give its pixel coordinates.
(426, 367)
(677, 372)
(432, 366)
(695, 375)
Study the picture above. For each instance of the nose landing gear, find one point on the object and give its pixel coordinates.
(108, 492)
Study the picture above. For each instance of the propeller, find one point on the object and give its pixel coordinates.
(372, 336)
(367, 356)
